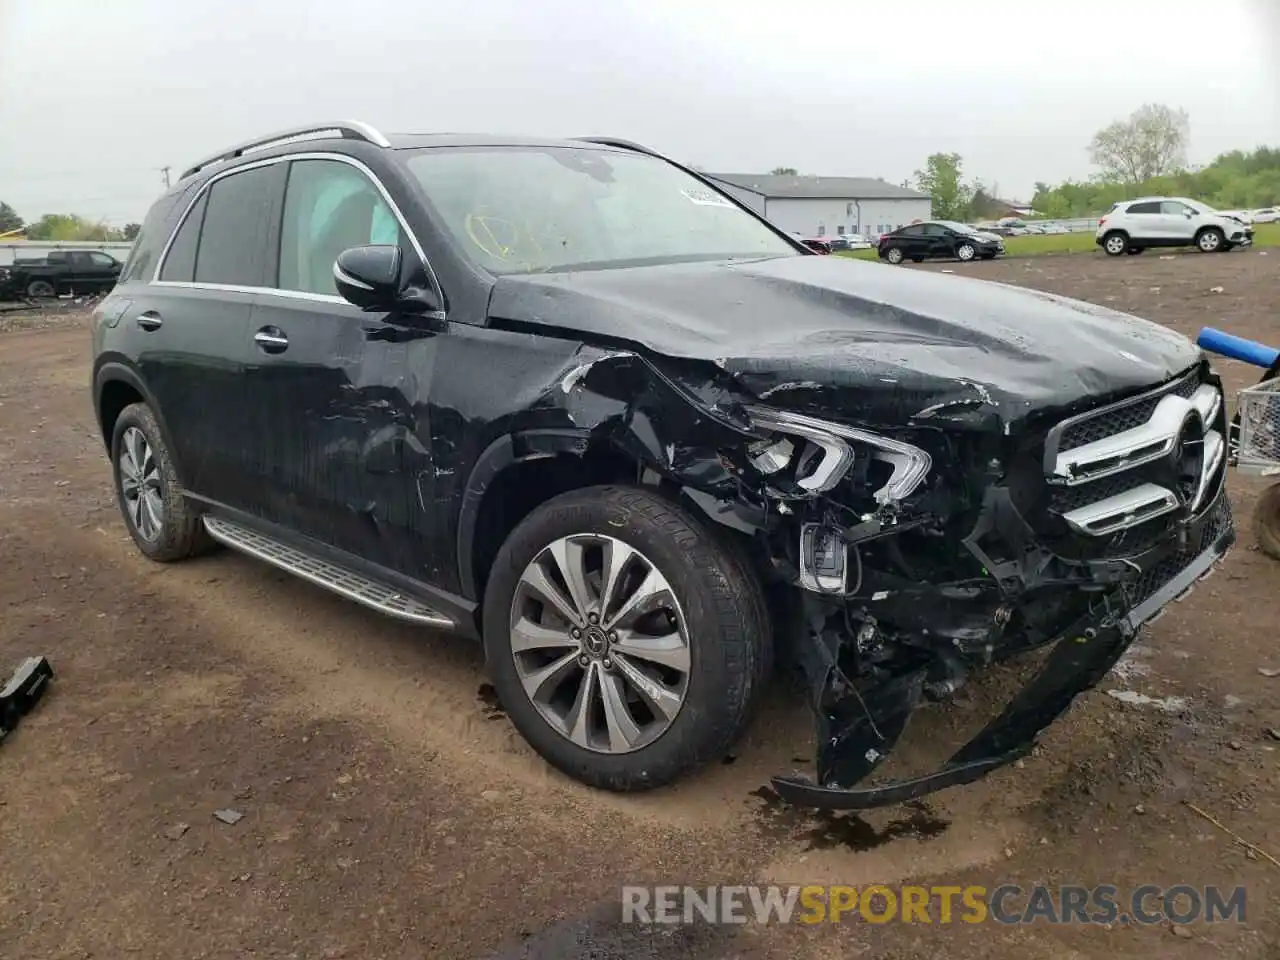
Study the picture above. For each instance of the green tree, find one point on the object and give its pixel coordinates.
(1236, 179)
(69, 226)
(784, 172)
(130, 231)
(1151, 142)
(9, 219)
(941, 179)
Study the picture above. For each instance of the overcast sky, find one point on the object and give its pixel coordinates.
(97, 95)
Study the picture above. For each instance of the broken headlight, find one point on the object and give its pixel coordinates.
(820, 453)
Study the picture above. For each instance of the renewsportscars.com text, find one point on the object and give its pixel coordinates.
(1005, 904)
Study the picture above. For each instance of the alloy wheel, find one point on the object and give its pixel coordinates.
(965, 252)
(894, 255)
(600, 643)
(140, 484)
(1116, 245)
(1209, 241)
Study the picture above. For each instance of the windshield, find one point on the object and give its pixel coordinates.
(533, 209)
(958, 227)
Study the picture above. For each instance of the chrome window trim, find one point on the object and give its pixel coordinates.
(299, 294)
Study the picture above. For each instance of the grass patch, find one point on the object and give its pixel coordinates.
(1039, 245)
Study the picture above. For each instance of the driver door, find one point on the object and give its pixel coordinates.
(340, 436)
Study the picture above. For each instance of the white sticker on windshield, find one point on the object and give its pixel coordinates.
(706, 198)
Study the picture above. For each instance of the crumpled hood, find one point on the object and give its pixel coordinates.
(862, 341)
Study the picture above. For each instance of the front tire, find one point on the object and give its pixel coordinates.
(159, 519)
(1211, 240)
(1115, 243)
(893, 255)
(626, 642)
(965, 252)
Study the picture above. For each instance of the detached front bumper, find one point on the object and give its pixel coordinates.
(850, 748)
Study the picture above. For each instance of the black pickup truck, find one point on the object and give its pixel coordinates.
(62, 271)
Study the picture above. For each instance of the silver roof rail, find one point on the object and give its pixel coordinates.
(345, 129)
(617, 143)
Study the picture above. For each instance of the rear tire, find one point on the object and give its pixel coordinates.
(158, 516)
(718, 608)
(1115, 243)
(41, 290)
(893, 255)
(1211, 240)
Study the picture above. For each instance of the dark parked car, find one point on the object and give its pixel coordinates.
(939, 239)
(61, 272)
(569, 398)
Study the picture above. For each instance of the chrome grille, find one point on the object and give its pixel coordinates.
(1119, 476)
(1122, 416)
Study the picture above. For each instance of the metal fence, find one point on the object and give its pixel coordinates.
(12, 249)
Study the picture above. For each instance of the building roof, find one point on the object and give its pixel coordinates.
(788, 186)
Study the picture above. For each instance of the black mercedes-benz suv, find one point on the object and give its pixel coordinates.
(570, 398)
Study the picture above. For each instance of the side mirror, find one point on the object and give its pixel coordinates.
(370, 278)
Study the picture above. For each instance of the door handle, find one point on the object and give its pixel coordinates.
(150, 320)
(271, 340)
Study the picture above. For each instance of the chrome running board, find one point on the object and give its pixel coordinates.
(344, 582)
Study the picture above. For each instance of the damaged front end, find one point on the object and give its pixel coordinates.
(930, 549)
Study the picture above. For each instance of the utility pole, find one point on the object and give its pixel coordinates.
(165, 171)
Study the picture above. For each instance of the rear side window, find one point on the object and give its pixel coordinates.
(1144, 208)
(180, 264)
(236, 218)
(329, 207)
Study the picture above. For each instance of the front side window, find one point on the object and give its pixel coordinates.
(329, 207)
(101, 259)
(1174, 208)
(235, 224)
(532, 209)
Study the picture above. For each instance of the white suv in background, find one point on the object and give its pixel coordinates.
(1133, 225)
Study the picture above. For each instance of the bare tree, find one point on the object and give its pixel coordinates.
(783, 171)
(1151, 142)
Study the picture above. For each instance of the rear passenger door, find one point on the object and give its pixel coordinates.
(192, 326)
(1145, 222)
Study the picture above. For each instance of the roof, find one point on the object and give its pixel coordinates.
(789, 186)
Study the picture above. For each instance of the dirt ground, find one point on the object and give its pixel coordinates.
(389, 810)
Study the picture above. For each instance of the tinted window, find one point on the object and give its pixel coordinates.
(101, 259)
(915, 230)
(1144, 208)
(235, 225)
(935, 230)
(329, 206)
(56, 257)
(180, 264)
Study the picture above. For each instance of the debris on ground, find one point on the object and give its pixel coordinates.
(177, 831)
(1215, 289)
(1133, 698)
(23, 691)
(1269, 671)
(228, 815)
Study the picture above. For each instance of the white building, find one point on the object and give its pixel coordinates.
(827, 206)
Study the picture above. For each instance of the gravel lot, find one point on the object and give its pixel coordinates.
(390, 810)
